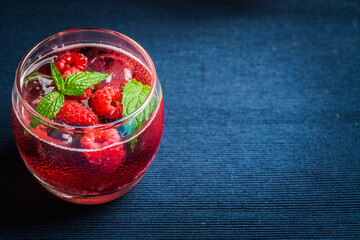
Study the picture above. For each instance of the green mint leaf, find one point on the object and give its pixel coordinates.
(71, 91)
(132, 144)
(35, 76)
(48, 107)
(36, 121)
(82, 81)
(59, 82)
(134, 95)
(50, 104)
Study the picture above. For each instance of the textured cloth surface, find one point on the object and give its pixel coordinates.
(261, 136)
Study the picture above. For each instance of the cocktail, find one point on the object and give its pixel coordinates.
(87, 114)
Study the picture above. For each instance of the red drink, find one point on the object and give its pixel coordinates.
(102, 160)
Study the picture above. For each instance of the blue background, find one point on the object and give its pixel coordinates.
(261, 136)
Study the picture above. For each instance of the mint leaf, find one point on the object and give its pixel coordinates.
(48, 107)
(35, 76)
(82, 81)
(132, 144)
(71, 91)
(50, 104)
(59, 82)
(36, 121)
(134, 95)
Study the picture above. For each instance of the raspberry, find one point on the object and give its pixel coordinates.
(108, 157)
(75, 114)
(106, 102)
(142, 75)
(70, 60)
(70, 71)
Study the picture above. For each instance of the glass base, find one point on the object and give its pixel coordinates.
(92, 199)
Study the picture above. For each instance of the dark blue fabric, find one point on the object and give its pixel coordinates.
(261, 136)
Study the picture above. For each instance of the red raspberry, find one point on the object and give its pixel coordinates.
(75, 114)
(71, 71)
(108, 157)
(70, 60)
(143, 75)
(106, 102)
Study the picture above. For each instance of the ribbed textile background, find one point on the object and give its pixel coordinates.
(262, 122)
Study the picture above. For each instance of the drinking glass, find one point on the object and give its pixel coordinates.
(53, 152)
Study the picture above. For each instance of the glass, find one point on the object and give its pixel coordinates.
(52, 151)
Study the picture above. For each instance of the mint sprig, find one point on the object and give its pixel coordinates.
(73, 85)
(58, 80)
(134, 95)
(50, 104)
(84, 80)
(48, 107)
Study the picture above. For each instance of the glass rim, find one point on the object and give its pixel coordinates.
(98, 126)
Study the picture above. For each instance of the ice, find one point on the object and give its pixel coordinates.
(121, 70)
(47, 84)
(34, 90)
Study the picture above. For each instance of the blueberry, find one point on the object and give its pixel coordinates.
(62, 136)
(127, 128)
